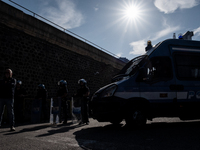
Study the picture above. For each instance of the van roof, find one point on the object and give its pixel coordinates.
(181, 42)
(174, 42)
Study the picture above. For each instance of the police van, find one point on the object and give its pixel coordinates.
(164, 82)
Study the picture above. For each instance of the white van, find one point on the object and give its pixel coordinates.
(165, 82)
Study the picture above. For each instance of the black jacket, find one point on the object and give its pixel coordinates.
(7, 88)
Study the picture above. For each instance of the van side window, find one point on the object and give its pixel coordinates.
(159, 68)
(187, 66)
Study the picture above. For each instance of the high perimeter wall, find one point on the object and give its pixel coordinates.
(40, 53)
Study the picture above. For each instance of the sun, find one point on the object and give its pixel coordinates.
(131, 15)
(132, 12)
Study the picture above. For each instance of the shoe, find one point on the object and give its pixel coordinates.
(54, 124)
(12, 128)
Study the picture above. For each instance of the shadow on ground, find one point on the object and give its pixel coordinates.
(165, 136)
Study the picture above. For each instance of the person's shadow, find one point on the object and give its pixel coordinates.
(30, 129)
(60, 129)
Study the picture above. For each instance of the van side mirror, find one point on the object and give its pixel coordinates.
(143, 75)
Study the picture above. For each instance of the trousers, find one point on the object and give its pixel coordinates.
(10, 104)
(84, 110)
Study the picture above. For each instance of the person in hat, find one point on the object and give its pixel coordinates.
(83, 92)
(20, 94)
(62, 93)
(42, 95)
(149, 46)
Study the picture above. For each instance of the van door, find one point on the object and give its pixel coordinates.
(156, 86)
(187, 65)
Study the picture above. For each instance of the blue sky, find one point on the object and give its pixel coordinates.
(121, 26)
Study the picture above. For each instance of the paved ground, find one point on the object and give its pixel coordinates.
(161, 134)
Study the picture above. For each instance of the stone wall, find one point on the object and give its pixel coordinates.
(39, 53)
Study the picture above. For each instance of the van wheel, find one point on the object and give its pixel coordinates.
(136, 118)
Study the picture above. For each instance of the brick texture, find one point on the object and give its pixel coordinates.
(39, 53)
(35, 61)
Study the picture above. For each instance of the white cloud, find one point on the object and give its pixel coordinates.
(166, 31)
(138, 47)
(119, 54)
(169, 6)
(63, 13)
(197, 31)
(96, 8)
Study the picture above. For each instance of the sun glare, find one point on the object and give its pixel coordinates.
(131, 16)
(132, 12)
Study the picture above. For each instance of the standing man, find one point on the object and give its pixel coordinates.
(62, 93)
(149, 46)
(20, 94)
(42, 96)
(7, 90)
(83, 92)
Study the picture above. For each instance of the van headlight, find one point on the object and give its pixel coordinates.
(109, 91)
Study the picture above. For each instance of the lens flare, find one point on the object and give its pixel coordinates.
(132, 12)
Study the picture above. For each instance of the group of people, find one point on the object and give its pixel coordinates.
(12, 95)
(82, 94)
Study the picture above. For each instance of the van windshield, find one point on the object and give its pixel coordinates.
(130, 68)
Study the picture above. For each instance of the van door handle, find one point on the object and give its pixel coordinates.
(176, 87)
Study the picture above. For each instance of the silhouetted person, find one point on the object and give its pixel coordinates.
(42, 95)
(149, 46)
(62, 93)
(7, 90)
(20, 94)
(83, 92)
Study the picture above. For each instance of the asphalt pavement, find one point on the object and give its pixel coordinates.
(160, 134)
